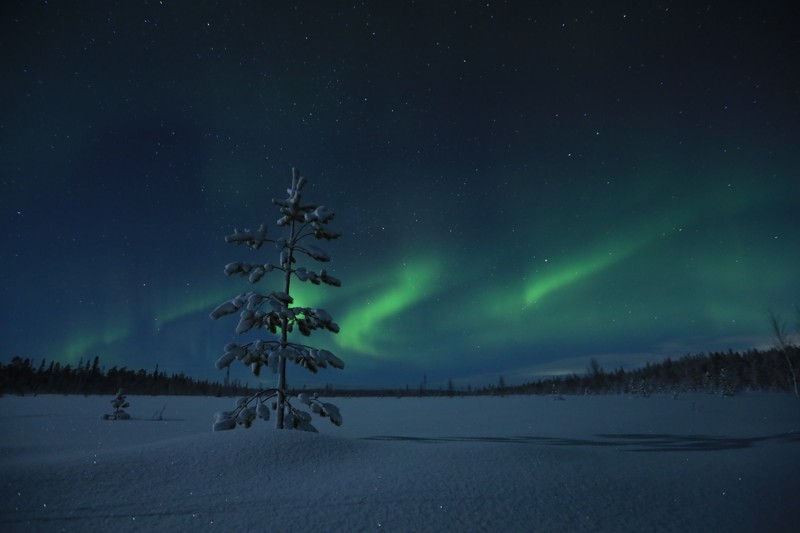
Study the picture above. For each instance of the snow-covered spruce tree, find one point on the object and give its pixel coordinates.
(272, 312)
(119, 403)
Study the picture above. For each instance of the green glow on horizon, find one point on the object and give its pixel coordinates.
(561, 274)
(182, 305)
(612, 279)
(588, 291)
(364, 329)
(80, 345)
(572, 272)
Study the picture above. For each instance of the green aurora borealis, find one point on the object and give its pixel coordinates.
(520, 190)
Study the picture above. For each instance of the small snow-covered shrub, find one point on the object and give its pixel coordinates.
(274, 313)
(119, 403)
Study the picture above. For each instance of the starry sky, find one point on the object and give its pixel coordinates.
(521, 186)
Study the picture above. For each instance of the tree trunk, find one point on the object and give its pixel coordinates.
(281, 386)
(282, 367)
(284, 336)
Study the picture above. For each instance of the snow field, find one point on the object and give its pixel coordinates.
(603, 463)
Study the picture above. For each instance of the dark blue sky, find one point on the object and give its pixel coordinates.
(520, 187)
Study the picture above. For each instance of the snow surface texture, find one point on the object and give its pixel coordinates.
(603, 463)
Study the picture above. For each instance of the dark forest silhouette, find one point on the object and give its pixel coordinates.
(21, 377)
(724, 373)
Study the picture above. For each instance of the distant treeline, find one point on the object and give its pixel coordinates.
(724, 373)
(22, 377)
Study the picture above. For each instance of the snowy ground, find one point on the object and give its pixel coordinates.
(607, 463)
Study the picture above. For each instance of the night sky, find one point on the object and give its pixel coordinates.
(520, 187)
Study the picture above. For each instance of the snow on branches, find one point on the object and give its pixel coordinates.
(254, 239)
(249, 408)
(275, 313)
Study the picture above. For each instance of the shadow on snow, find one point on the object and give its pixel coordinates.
(632, 442)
